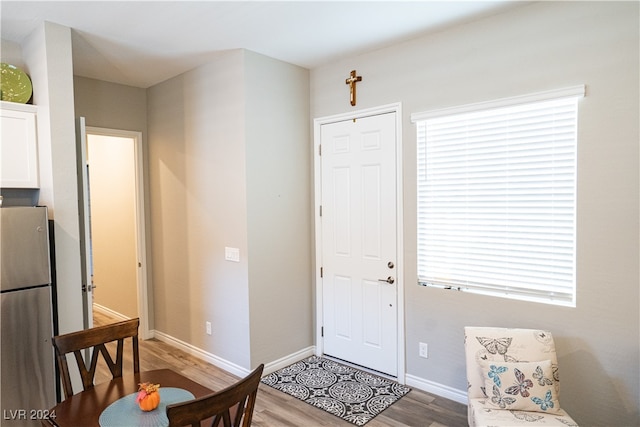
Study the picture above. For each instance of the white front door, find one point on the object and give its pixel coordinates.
(359, 242)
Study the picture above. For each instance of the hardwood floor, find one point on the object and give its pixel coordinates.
(274, 408)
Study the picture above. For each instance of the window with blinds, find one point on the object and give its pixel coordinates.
(497, 197)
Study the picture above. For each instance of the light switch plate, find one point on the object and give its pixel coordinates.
(232, 254)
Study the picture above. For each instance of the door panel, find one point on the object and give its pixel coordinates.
(342, 211)
(359, 241)
(372, 202)
(85, 231)
(342, 304)
(372, 299)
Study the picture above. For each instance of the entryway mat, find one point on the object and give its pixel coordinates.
(353, 395)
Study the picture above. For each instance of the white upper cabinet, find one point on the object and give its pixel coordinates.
(18, 146)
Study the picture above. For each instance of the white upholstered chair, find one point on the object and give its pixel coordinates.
(513, 378)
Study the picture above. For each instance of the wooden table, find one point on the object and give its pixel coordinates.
(84, 408)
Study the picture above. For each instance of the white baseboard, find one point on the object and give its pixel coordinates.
(410, 380)
(230, 366)
(108, 312)
(201, 354)
(437, 389)
(288, 360)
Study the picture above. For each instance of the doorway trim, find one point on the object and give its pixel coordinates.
(141, 245)
(317, 123)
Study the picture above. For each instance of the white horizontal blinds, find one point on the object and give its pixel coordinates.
(496, 201)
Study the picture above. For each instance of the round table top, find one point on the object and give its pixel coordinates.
(86, 407)
(125, 411)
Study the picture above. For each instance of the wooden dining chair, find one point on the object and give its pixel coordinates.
(95, 339)
(232, 406)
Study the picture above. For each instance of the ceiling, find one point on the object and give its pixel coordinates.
(142, 43)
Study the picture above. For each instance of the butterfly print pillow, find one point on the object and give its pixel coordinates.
(522, 386)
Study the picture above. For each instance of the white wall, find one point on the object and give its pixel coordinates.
(536, 47)
(11, 53)
(48, 61)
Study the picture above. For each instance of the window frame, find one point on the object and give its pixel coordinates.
(519, 292)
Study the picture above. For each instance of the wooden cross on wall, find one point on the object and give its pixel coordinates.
(351, 81)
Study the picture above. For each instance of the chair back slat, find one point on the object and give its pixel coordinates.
(95, 339)
(231, 407)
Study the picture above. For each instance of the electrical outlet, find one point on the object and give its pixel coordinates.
(424, 350)
(208, 326)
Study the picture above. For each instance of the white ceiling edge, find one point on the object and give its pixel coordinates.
(142, 43)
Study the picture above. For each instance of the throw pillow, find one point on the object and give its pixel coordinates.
(522, 386)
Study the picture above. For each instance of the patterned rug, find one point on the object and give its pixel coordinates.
(348, 393)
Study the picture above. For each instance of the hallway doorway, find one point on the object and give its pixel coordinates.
(117, 226)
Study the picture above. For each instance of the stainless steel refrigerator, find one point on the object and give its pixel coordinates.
(26, 317)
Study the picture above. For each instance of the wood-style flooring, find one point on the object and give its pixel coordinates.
(274, 408)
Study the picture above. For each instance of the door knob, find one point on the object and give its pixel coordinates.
(389, 280)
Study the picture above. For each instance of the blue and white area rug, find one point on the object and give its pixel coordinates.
(353, 395)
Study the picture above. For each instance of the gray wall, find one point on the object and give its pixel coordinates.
(114, 106)
(205, 192)
(198, 206)
(227, 141)
(278, 207)
(111, 105)
(546, 45)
